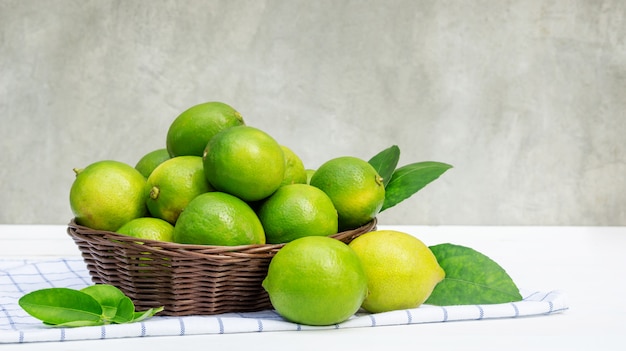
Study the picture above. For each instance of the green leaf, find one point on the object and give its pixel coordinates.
(108, 296)
(61, 305)
(471, 278)
(408, 180)
(140, 316)
(125, 311)
(385, 162)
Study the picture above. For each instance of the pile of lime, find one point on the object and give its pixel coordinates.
(219, 181)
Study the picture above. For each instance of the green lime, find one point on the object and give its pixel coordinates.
(294, 168)
(309, 175)
(244, 161)
(354, 186)
(151, 160)
(316, 280)
(295, 211)
(217, 218)
(107, 194)
(191, 130)
(173, 184)
(148, 228)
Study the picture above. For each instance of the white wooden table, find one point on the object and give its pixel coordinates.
(587, 263)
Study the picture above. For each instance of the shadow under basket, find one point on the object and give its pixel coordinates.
(184, 279)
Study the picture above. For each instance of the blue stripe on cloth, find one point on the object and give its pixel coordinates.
(373, 319)
(481, 312)
(181, 322)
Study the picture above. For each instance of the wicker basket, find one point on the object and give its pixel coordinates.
(185, 279)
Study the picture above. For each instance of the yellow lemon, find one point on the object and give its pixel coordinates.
(401, 270)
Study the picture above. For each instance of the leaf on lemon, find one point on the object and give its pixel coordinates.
(471, 278)
(408, 180)
(385, 162)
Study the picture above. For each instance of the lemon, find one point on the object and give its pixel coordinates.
(107, 194)
(297, 210)
(191, 130)
(217, 218)
(354, 186)
(173, 184)
(151, 160)
(148, 228)
(316, 280)
(244, 161)
(401, 270)
(294, 168)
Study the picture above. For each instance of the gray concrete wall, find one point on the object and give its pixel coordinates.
(526, 99)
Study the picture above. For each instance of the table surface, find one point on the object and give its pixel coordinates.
(587, 263)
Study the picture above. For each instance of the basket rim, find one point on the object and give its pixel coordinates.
(74, 228)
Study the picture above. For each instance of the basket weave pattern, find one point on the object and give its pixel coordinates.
(185, 279)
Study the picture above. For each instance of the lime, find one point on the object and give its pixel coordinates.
(295, 211)
(217, 218)
(148, 228)
(151, 160)
(309, 175)
(294, 168)
(354, 186)
(191, 130)
(244, 161)
(401, 270)
(316, 280)
(173, 184)
(107, 194)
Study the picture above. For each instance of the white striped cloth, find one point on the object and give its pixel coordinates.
(18, 277)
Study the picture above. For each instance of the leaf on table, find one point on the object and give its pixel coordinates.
(108, 296)
(408, 180)
(140, 316)
(471, 278)
(61, 305)
(125, 312)
(385, 162)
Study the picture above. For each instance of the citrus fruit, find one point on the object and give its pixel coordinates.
(294, 168)
(148, 228)
(151, 160)
(309, 175)
(244, 161)
(217, 218)
(191, 130)
(354, 186)
(173, 184)
(297, 210)
(316, 280)
(106, 194)
(401, 270)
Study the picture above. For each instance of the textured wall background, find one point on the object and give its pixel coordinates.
(526, 99)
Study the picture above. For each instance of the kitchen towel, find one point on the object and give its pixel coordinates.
(19, 277)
